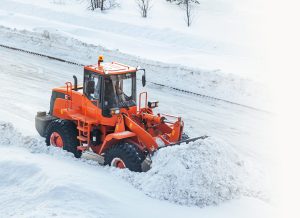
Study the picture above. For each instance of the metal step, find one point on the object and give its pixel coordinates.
(82, 128)
(82, 138)
(82, 118)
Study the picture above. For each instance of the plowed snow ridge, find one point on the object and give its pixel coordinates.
(211, 82)
(200, 173)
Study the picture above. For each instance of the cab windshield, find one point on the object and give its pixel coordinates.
(120, 91)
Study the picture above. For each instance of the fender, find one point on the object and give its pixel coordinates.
(115, 137)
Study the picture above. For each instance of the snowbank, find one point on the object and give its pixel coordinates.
(9, 136)
(201, 173)
(208, 82)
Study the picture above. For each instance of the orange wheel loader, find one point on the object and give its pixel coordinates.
(102, 120)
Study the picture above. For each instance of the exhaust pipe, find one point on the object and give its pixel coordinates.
(75, 83)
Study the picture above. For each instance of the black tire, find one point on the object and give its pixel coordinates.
(128, 153)
(184, 136)
(68, 132)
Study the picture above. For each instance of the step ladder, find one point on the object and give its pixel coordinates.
(84, 132)
(84, 126)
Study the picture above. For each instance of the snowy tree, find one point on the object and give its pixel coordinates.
(183, 1)
(144, 6)
(188, 7)
(103, 4)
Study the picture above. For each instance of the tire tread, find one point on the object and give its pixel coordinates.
(68, 131)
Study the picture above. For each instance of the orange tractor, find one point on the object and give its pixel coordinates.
(101, 119)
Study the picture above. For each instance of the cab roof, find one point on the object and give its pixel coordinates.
(110, 68)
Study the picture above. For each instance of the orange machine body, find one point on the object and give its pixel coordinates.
(136, 123)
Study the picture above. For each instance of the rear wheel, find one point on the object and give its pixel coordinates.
(125, 155)
(63, 134)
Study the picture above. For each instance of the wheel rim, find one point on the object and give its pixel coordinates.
(118, 163)
(56, 140)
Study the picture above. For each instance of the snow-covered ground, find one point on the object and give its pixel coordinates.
(208, 82)
(225, 35)
(31, 187)
(231, 165)
(221, 55)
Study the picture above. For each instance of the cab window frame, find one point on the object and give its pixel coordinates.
(87, 75)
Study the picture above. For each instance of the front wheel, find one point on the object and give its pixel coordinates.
(63, 134)
(125, 155)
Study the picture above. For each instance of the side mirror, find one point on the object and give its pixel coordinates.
(144, 80)
(90, 87)
(144, 75)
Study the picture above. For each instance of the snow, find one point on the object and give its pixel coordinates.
(230, 165)
(226, 35)
(202, 173)
(212, 82)
(37, 187)
(40, 190)
(227, 175)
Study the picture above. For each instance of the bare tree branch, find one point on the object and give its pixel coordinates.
(189, 6)
(144, 6)
(103, 4)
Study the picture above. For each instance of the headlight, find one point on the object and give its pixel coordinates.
(152, 104)
(114, 111)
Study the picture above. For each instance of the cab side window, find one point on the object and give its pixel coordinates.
(92, 84)
(109, 94)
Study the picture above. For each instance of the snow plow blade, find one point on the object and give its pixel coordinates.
(189, 140)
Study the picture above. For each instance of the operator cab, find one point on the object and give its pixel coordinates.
(110, 86)
(120, 91)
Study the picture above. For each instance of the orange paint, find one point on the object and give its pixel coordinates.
(139, 125)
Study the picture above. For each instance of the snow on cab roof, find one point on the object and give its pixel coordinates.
(110, 68)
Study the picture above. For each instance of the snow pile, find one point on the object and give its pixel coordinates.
(9, 136)
(201, 173)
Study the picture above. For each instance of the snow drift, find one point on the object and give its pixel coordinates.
(201, 173)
